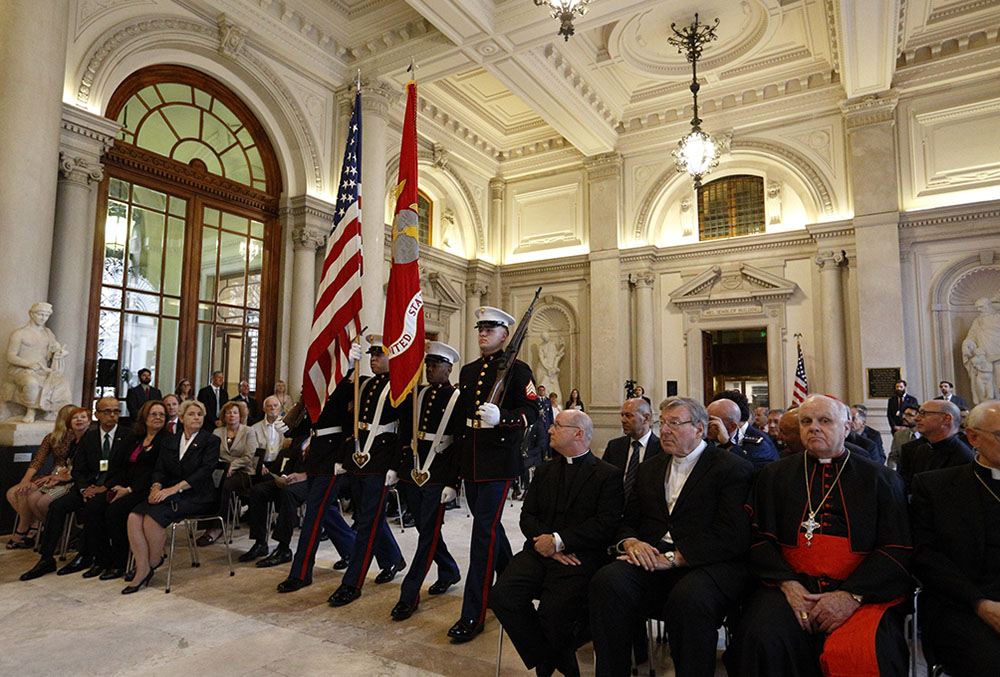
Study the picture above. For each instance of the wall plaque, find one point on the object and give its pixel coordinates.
(882, 381)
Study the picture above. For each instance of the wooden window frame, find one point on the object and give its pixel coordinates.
(731, 183)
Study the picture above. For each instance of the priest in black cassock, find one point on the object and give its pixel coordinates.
(831, 548)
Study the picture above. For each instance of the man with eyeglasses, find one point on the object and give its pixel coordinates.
(571, 511)
(680, 548)
(956, 515)
(91, 464)
(938, 446)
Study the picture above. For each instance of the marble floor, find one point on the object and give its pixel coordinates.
(239, 625)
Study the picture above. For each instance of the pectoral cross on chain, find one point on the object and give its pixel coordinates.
(810, 526)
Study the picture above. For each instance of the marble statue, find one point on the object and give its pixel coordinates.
(981, 352)
(549, 356)
(34, 373)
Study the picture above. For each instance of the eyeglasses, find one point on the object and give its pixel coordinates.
(675, 425)
(995, 433)
(928, 412)
(156, 414)
(563, 425)
(108, 411)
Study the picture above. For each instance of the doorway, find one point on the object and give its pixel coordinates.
(736, 359)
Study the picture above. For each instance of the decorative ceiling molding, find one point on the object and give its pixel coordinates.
(960, 10)
(870, 110)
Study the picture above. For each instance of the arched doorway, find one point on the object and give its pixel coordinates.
(187, 243)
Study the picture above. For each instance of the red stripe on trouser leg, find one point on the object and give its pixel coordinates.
(488, 578)
(371, 539)
(315, 527)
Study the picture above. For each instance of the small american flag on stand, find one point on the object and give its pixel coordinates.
(800, 389)
(338, 300)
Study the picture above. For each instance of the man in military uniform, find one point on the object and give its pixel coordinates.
(368, 458)
(747, 441)
(430, 480)
(490, 459)
(326, 478)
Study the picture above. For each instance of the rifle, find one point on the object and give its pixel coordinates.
(510, 353)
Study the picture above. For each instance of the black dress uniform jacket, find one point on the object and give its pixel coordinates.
(495, 453)
(444, 468)
(328, 449)
(383, 449)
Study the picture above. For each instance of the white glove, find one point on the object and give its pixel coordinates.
(281, 427)
(338, 469)
(355, 354)
(489, 413)
(448, 495)
(391, 478)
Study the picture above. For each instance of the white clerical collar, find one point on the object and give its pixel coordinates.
(994, 472)
(576, 459)
(691, 458)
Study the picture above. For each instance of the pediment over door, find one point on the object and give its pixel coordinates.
(743, 287)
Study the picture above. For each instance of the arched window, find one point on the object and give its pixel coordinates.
(425, 217)
(731, 206)
(187, 240)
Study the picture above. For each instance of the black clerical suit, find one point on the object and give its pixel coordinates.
(373, 534)
(138, 396)
(921, 455)
(213, 406)
(957, 559)
(490, 459)
(579, 499)
(87, 471)
(424, 501)
(711, 531)
(858, 541)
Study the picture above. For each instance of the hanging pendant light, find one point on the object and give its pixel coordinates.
(565, 10)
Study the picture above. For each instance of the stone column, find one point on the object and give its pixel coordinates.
(309, 220)
(832, 294)
(498, 188)
(376, 98)
(85, 138)
(33, 53)
(474, 293)
(645, 363)
(872, 165)
(608, 336)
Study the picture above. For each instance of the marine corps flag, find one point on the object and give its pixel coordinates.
(403, 331)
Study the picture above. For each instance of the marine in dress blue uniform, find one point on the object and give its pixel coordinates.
(426, 494)
(490, 449)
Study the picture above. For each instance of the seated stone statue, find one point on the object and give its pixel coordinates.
(34, 375)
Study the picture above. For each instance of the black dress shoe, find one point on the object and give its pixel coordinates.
(342, 564)
(545, 669)
(129, 589)
(94, 571)
(465, 629)
(451, 505)
(79, 563)
(292, 584)
(281, 555)
(402, 611)
(344, 595)
(112, 574)
(256, 552)
(408, 520)
(44, 566)
(390, 572)
(441, 586)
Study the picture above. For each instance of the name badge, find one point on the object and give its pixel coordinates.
(104, 465)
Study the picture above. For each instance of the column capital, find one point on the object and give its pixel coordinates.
(870, 110)
(831, 260)
(603, 166)
(79, 169)
(307, 237)
(377, 96)
(477, 289)
(309, 219)
(498, 185)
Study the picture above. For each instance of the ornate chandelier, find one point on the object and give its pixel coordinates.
(697, 153)
(565, 10)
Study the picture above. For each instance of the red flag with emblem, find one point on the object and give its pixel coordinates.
(403, 329)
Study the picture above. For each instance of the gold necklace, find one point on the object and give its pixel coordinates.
(811, 524)
(986, 486)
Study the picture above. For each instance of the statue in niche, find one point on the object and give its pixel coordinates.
(34, 375)
(550, 355)
(981, 352)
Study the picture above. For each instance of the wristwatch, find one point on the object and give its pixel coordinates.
(857, 597)
(669, 554)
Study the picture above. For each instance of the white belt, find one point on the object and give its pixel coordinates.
(445, 439)
(320, 432)
(379, 429)
(476, 423)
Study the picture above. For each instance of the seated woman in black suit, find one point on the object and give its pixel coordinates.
(182, 486)
(130, 479)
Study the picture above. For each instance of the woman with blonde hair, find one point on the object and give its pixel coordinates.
(31, 497)
(237, 446)
(281, 392)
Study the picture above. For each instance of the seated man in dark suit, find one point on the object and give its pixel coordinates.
(683, 540)
(142, 393)
(571, 512)
(948, 393)
(747, 441)
(956, 515)
(859, 425)
(938, 446)
(637, 444)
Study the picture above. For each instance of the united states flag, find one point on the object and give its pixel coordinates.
(338, 300)
(800, 390)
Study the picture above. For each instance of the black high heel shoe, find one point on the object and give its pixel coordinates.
(128, 590)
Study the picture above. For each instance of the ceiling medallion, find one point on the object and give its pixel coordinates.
(697, 153)
(565, 10)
